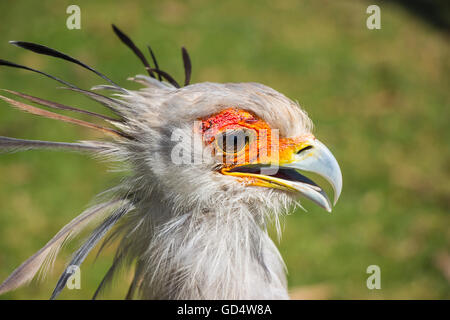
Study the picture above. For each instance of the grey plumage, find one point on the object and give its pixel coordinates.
(11, 145)
(190, 231)
(106, 101)
(51, 115)
(90, 243)
(130, 44)
(110, 103)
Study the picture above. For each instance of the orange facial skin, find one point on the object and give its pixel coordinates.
(265, 148)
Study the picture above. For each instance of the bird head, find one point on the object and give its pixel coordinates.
(207, 143)
(212, 144)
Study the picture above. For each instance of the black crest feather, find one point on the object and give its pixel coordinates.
(19, 66)
(187, 66)
(41, 49)
(130, 44)
(155, 62)
(58, 106)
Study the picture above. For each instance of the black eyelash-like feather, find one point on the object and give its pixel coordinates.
(51, 115)
(84, 250)
(187, 66)
(167, 76)
(155, 62)
(19, 66)
(120, 108)
(130, 44)
(161, 74)
(41, 49)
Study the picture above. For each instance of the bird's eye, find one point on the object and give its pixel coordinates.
(234, 140)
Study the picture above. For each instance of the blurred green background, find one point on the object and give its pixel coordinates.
(379, 99)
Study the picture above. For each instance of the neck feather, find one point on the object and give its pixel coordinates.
(217, 253)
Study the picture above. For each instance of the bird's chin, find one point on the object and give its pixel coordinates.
(283, 178)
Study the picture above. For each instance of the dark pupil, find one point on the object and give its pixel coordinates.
(234, 142)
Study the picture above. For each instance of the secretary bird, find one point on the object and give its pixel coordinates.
(209, 167)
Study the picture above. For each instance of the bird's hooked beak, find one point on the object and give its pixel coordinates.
(318, 159)
(302, 154)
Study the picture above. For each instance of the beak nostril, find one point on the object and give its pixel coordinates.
(304, 149)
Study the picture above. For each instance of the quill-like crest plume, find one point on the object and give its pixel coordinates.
(123, 202)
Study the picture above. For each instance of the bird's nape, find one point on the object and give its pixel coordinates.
(192, 230)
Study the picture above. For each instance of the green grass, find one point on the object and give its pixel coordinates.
(379, 100)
